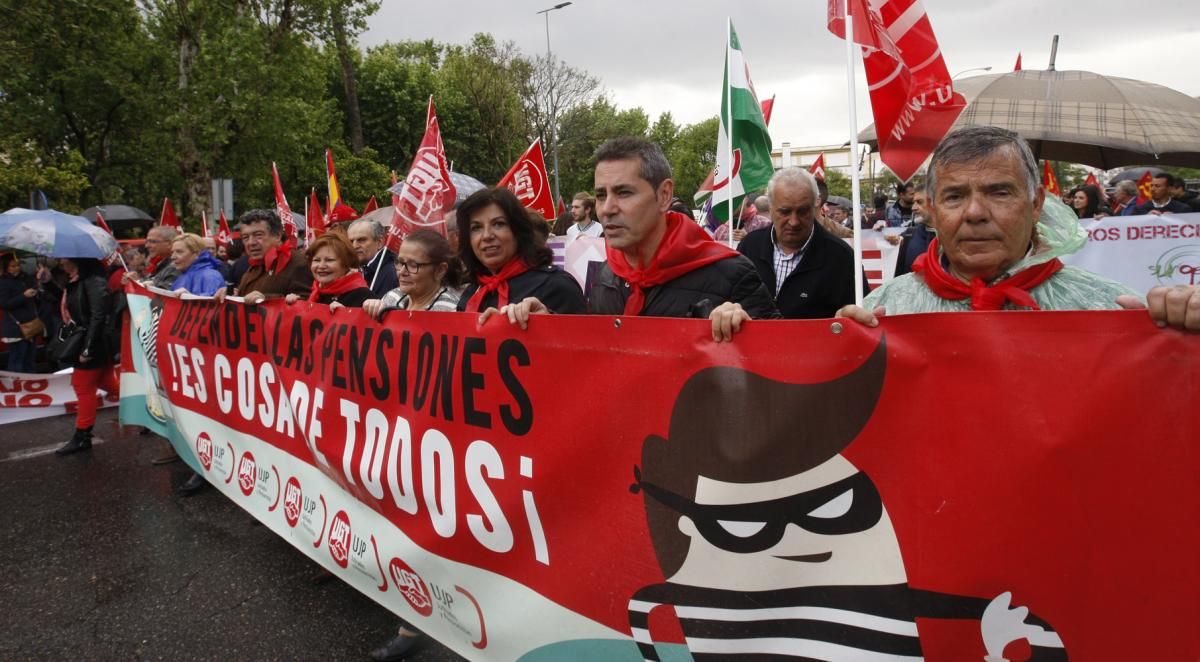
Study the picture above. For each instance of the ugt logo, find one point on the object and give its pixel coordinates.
(1178, 266)
(204, 450)
(527, 183)
(292, 500)
(339, 538)
(423, 189)
(411, 586)
(246, 473)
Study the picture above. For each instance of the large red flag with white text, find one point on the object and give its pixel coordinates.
(281, 205)
(912, 97)
(529, 181)
(428, 191)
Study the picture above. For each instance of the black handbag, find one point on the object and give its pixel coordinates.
(68, 344)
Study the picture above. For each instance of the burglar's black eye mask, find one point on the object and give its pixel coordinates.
(850, 505)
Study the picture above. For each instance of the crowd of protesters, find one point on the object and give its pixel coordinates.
(790, 261)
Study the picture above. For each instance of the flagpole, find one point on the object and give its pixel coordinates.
(729, 127)
(854, 174)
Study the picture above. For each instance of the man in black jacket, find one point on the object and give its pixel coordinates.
(660, 263)
(378, 265)
(809, 271)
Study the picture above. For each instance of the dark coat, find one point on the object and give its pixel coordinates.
(1174, 207)
(351, 299)
(555, 288)
(822, 283)
(89, 305)
(295, 278)
(915, 242)
(694, 294)
(16, 306)
(387, 280)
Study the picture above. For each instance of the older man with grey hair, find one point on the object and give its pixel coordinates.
(998, 241)
(160, 270)
(809, 272)
(378, 265)
(1124, 198)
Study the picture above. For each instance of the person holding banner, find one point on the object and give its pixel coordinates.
(505, 262)
(998, 243)
(199, 271)
(660, 263)
(337, 282)
(429, 275)
(276, 270)
(17, 296)
(88, 305)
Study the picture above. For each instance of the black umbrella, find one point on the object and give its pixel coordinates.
(1134, 174)
(116, 213)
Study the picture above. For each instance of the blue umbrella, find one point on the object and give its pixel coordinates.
(54, 234)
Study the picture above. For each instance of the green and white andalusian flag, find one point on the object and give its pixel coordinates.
(752, 166)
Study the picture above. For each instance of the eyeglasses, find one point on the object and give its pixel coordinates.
(411, 266)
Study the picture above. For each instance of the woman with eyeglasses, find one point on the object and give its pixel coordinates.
(506, 263)
(429, 273)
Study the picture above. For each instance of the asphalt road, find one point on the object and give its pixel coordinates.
(102, 561)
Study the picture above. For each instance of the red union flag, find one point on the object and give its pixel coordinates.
(1049, 181)
(281, 205)
(912, 97)
(427, 191)
(314, 221)
(1143, 185)
(224, 236)
(527, 179)
(167, 217)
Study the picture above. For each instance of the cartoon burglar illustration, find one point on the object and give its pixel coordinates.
(774, 545)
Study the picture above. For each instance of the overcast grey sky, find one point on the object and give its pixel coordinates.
(667, 55)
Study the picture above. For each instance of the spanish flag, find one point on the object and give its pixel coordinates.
(335, 194)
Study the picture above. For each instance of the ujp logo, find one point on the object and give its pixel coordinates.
(411, 586)
(1178, 266)
(247, 473)
(204, 450)
(339, 538)
(292, 500)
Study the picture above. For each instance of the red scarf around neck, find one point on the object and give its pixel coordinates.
(1014, 289)
(351, 281)
(497, 283)
(276, 259)
(684, 248)
(152, 265)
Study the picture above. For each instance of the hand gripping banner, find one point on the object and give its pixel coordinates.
(947, 487)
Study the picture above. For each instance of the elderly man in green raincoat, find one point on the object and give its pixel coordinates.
(999, 239)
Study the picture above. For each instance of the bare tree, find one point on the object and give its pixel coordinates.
(551, 88)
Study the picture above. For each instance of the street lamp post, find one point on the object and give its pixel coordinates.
(553, 118)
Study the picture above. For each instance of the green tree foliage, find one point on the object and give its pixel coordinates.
(693, 154)
(583, 129)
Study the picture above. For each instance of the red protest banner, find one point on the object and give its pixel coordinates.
(781, 493)
(912, 96)
(528, 180)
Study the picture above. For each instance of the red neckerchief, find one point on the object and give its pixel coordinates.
(154, 262)
(276, 259)
(1014, 289)
(684, 248)
(498, 284)
(351, 281)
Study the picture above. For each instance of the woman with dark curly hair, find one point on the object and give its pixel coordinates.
(1085, 200)
(505, 263)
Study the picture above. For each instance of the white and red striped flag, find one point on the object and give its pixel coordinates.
(817, 169)
(428, 191)
(912, 96)
(281, 205)
(204, 232)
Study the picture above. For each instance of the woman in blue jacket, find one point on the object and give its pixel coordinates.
(199, 271)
